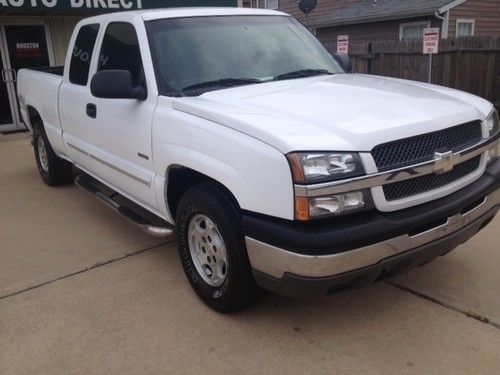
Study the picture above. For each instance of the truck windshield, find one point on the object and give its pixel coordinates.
(198, 54)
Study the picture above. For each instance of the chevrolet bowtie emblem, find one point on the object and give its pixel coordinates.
(445, 161)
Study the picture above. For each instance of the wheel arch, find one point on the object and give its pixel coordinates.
(33, 116)
(180, 178)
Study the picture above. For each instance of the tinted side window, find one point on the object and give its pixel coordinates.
(82, 54)
(120, 50)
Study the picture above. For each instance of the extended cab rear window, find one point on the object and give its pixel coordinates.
(82, 54)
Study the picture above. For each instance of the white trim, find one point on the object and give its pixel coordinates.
(465, 20)
(445, 25)
(450, 5)
(277, 4)
(9, 87)
(416, 23)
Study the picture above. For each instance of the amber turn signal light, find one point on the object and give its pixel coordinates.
(296, 166)
(301, 208)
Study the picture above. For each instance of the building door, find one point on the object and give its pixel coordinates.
(23, 46)
(6, 105)
(6, 119)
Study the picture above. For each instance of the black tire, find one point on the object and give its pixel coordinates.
(238, 289)
(56, 171)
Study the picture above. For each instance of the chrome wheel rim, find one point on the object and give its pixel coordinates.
(208, 250)
(42, 155)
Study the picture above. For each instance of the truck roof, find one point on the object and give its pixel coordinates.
(153, 14)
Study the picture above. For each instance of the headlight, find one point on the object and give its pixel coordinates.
(313, 167)
(492, 123)
(493, 126)
(332, 205)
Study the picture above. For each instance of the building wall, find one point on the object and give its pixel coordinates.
(368, 32)
(323, 8)
(486, 14)
(61, 30)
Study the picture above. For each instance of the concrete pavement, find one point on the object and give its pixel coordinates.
(83, 291)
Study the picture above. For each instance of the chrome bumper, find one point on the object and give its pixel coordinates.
(276, 262)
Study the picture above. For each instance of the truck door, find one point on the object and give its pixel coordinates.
(119, 130)
(75, 94)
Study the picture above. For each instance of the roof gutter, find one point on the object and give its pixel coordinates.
(450, 5)
(445, 23)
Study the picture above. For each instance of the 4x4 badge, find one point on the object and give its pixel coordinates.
(445, 161)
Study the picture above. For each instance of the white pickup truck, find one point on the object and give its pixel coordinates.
(276, 168)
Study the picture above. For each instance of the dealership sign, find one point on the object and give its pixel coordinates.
(98, 6)
(74, 4)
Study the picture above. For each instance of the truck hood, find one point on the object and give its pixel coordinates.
(344, 112)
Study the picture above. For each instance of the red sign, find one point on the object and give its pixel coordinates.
(343, 44)
(28, 50)
(431, 40)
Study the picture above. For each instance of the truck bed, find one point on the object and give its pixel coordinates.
(56, 70)
(40, 88)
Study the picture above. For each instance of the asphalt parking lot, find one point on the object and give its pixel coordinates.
(83, 291)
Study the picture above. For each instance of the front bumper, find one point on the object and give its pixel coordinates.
(309, 259)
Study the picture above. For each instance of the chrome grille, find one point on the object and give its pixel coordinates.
(418, 149)
(407, 188)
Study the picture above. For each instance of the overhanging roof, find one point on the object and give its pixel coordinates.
(382, 10)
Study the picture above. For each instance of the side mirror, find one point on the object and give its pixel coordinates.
(344, 60)
(116, 84)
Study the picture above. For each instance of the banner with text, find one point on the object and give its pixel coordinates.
(99, 6)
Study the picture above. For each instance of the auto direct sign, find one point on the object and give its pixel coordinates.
(99, 6)
(431, 40)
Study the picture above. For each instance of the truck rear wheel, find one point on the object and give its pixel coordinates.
(53, 170)
(212, 249)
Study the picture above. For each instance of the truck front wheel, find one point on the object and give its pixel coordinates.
(53, 170)
(212, 249)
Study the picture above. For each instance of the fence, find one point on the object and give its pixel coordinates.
(471, 64)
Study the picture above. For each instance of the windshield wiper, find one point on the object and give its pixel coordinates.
(221, 83)
(301, 74)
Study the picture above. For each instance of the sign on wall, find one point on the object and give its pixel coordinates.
(431, 40)
(99, 6)
(343, 44)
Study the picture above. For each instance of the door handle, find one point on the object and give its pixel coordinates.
(14, 75)
(91, 110)
(9, 75)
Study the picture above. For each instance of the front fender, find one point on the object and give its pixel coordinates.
(256, 174)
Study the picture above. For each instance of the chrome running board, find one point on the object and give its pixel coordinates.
(145, 220)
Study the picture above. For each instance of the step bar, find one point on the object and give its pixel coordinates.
(140, 217)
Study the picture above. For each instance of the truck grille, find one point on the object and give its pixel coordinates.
(403, 189)
(419, 149)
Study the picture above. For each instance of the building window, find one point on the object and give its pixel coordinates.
(465, 27)
(271, 4)
(413, 30)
